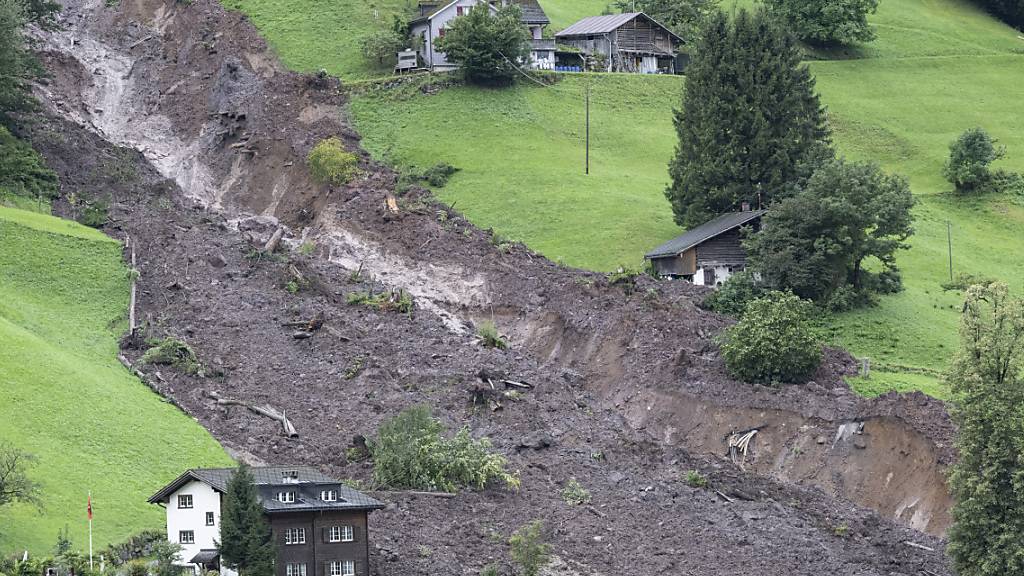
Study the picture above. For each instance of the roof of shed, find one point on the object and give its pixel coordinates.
(704, 232)
(272, 476)
(606, 24)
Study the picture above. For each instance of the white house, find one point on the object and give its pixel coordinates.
(319, 526)
(435, 17)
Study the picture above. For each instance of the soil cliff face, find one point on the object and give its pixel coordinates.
(627, 391)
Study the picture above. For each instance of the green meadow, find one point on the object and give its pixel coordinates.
(937, 68)
(66, 400)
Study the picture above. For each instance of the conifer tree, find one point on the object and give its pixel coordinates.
(245, 538)
(987, 536)
(750, 121)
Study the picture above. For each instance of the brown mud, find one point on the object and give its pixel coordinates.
(629, 393)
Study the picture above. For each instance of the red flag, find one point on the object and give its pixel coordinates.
(88, 507)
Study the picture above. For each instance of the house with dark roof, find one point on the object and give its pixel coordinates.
(435, 17)
(319, 525)
(710, 253)
(630, 42)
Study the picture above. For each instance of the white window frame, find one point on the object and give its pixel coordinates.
(334, 568)
(182, 536)
(185, 499)
(348, 568)
(329, 495)
(211, 519)
(286, 497)
(294, 536)
(347, 534)
(334, 534)
(295, 569)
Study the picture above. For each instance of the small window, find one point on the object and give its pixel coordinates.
(295, 536)
(459, 10)
(286, 497)
(348, 568)
(329, 495)
(184, 500)
(346, 534)
(295, 569)
(440, 32)
(209, 518)
(186, 537)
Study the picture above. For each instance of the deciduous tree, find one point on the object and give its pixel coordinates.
(750, 119)
(824, 22)
(817, 242)
(969, 157)
(15, 484)
(487, 45)
(987, 482)
(684, 17)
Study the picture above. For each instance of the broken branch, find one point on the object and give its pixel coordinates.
(265, 410)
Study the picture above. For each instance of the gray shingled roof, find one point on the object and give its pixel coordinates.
(269, 481)
(533, 13)
(704, 232)
(605, 24)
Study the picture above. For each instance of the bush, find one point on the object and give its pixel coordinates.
(695, 479)
(137, 568)
(94, 215)
(329, 163)
(774, 341)
(489, 336)
(528, 549)
(385, 301)
(411, 452)
(969, 157)
(172, 352)
(487, 47)
(825, 22)
(733, 296)
(575, 494)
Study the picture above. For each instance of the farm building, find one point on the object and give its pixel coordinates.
(631, 42)
(435, 17)
(708, 254)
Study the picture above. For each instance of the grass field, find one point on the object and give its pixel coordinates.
(65, 398)
(937, 68)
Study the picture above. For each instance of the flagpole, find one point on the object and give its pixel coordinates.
(90, 530)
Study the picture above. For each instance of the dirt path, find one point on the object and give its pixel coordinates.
(630, 392)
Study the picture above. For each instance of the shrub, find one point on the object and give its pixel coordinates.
(574, 493)
(137, 568)
(824, 22)
(411, 452)
(22, 170)
(733, 296)
(172, 352)
(385, 301)
(773, 342)
(969, 157)
(489, 336)
(528, 549)
(329, 163)
(963, 281)
(381, 47)
(695, 479)
(94, 215)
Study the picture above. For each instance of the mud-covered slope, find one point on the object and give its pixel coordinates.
(632, 377)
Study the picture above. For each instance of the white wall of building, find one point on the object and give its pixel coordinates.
(204, 499)
(722, 273)
(430, 30)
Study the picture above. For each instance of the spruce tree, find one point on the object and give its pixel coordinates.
(987, 536)
(245, 537)
(750, 121)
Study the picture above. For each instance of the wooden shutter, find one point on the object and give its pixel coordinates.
(361, 568)
(357, 533)
(324, 534)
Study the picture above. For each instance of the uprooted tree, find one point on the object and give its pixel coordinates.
(411, 451)
(987, 536)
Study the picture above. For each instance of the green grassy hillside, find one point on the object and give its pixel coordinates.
(937, 68)
(65, 398)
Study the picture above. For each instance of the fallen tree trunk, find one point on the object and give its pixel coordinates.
(270, 412)
(274, 240)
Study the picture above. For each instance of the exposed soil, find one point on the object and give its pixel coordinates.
(629, 392)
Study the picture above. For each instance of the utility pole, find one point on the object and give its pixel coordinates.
(586, 169)
(949, 243)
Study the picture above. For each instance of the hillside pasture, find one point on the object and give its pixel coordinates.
(67, 400)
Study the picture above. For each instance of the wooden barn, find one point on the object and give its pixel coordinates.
(708, 254)
(631, 42)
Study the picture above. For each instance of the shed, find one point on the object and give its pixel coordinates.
(708, 254)
(630, 42)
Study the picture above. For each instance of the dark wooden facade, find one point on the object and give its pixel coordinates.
(636, 44)
(318, 551)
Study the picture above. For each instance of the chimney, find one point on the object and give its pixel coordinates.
(745, 206)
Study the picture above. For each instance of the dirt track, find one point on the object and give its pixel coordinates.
(633, 378)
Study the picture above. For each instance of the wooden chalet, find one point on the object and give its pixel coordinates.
(631, 42)
(708, 254)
